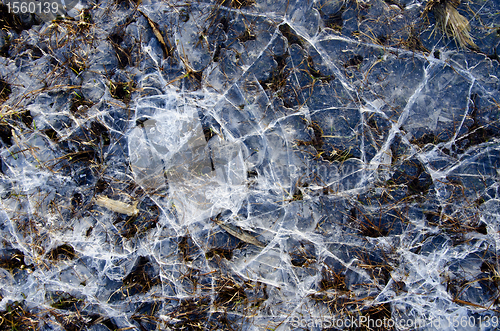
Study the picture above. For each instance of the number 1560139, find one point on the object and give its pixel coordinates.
(22, 7)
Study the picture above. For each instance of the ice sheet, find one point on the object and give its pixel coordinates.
(352, 140)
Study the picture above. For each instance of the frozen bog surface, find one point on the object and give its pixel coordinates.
(254, 165)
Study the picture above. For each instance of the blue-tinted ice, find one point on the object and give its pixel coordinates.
(353, 140)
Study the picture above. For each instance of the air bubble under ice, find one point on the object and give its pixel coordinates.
(167, 148)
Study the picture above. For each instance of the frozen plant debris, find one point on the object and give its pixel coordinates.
(158, 35)
(239, 233)
(451, 22)
(118, 206)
